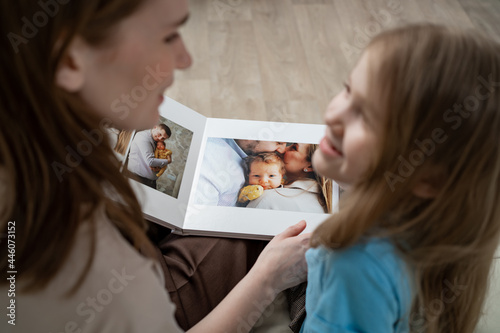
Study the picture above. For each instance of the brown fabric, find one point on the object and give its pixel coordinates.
(296, 298)
(200, 271)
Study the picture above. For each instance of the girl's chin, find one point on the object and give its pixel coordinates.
(325, 169)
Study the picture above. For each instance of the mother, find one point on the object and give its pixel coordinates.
(82, 256)
(304, 190)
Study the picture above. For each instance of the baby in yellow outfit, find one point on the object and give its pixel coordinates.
(266, 171)
(163, 153)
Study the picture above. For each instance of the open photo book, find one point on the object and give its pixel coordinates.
(225, 177)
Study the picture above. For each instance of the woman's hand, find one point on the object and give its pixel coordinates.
(282, 264)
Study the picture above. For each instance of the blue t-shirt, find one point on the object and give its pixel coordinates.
(364, 288)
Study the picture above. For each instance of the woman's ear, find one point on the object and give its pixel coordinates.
(70, 74)
(430, 183)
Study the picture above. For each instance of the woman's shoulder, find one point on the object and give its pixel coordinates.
(120, 288)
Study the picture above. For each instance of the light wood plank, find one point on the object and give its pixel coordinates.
(294, 111)
(360, 21)
(195, 94)
(321, 32)
(485, 15)
(229, 10)
(195, 37)
(253, 57)
(283, 65)
(445, 11)
(235, 76)
(312, 2)
(307, 111)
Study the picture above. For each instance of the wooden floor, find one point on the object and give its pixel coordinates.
(283, 60)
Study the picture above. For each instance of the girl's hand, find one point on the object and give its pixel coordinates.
(282, 264)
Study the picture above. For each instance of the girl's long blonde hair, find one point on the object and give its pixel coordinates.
(54, 180)
(440, 88)
(325, 196)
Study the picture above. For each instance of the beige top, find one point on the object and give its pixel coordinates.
(123, 292)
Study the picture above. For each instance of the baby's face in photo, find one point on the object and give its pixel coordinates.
(264, 174)
(160, 145)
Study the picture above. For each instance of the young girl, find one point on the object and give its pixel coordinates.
(73, 238)
(414, 139)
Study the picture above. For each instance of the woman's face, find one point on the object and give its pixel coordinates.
(354, 127)
(295, 158)
(125, 79)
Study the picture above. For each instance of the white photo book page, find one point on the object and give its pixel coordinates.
(197, 193)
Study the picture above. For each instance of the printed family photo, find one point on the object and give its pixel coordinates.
(157, 156)
(262, 174)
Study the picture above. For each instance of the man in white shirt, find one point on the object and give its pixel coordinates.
(142, 162)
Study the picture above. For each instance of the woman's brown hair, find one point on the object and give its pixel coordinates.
(58, 166)
(440, 89)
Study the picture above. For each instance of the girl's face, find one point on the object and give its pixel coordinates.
(125, 79)
(354, 127)
(295, 158)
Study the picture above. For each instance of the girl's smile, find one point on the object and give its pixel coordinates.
(354, 129)
(328, 148)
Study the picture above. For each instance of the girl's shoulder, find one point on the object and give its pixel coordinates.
(369, 277)
(368, 246)
(368, 255)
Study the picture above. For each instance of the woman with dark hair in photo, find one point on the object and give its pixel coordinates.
(83, 260)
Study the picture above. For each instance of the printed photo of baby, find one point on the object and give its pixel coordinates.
(263, 175)
(265, 172)
(162, 153)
